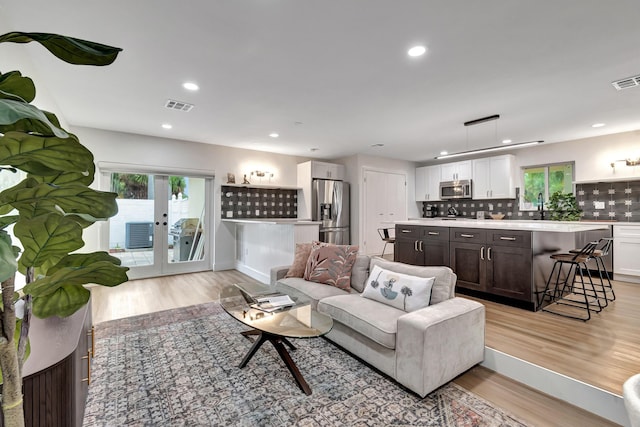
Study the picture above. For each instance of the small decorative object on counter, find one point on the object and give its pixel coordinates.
(231, 178)
(563, 207)
(245, 180)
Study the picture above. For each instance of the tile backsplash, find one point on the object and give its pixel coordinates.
(252, 202)
(611, 201)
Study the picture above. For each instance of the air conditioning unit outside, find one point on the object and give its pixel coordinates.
(139, 235)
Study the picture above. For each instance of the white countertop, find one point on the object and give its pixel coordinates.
(283, 221)
(525, 225)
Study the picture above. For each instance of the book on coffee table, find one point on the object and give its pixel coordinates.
(273, 302)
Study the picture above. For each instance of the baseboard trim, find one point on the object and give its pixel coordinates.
(590, 398)
(261, 277)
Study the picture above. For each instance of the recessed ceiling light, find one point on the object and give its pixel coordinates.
(417, 51)
(506, 141)
(166, 126)
(274, 135)
(377, 145)
(190, 86)
(597, 125)
(443, 153)
(314, 149)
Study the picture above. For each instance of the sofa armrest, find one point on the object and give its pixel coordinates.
(278, 273)
(439, 342)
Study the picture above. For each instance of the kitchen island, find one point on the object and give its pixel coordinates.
(505, 261)
(268, 242)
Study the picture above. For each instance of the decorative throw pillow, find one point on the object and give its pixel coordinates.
(300, 258)
(408, 293)
(331, 264)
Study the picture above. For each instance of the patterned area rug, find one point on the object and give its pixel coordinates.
(179, 368)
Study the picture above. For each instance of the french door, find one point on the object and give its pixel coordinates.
(162, 225)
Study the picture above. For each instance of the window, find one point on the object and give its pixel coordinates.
(545, 180)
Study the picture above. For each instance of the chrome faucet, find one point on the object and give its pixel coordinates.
(541, 206)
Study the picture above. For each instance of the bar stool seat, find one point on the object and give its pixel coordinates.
(385, 235)
(566, 290)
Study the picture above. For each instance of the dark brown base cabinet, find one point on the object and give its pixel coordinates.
(56, 375)
(497, 262)
(419, 245)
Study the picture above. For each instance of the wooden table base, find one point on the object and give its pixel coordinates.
(279, 343)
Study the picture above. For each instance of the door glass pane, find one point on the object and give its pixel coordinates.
(186, 219)
(131, 230)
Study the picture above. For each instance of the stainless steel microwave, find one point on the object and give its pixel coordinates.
(455, 189)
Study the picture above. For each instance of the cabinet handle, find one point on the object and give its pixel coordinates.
(415, 245)
(468, 236)
(405, 231)
(92, 334)
(88, 357)
(421, 246)
(482, 253)
(433, 233)
(507, 238)
(489, 254)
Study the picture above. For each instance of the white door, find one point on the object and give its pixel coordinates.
(385, 201)
(162, 225)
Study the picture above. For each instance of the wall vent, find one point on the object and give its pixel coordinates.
(178, 105)
(626, 83)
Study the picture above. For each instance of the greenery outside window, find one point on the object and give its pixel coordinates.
(546, 179)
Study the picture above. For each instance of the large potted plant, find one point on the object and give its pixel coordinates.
(563, 207)
(48, 211)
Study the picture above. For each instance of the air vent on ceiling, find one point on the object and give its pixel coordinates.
(626, 83)
(178, 105)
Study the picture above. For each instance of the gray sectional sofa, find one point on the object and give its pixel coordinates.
(421, 350)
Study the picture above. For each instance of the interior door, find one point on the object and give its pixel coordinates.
(385, 201)
(162, 223)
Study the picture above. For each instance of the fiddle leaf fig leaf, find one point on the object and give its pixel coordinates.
(14, 86)
(101, 272)
(6, 221)
(44, 156)
(84, 260)
(63, 302)
(8, 262)
(63, 178)
(47, 239)
(22, 117)
(69, 49)
(68, 199)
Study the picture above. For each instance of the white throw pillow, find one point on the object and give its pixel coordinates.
(408, 293)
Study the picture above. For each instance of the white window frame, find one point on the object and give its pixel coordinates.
(546, 194)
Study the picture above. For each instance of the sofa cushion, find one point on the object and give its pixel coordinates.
(445, 279)
(376, 321)
(300, 258)
(360, 272)
(331, 264)
(402, 291)
(300, 288)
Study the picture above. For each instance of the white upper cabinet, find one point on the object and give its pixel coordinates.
(456, 171)
(428, 183)
(494, 178)
(324, 170)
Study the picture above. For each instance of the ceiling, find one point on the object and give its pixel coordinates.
(334, 75)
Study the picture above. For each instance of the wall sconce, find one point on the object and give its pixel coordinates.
(628, 162)
(262, 174)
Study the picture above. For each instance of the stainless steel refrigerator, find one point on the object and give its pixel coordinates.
(330, 204)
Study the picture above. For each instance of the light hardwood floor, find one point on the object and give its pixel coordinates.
(603, 350)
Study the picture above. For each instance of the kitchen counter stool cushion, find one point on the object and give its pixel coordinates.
(376, 321)
(300, 258)
(402, 291)
(331, 264)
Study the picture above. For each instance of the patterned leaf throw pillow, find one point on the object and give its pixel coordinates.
(331, 264)
(300, 258)
(407, 293)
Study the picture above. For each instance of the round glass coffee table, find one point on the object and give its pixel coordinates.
(296, 321)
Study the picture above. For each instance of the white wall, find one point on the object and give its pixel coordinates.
(118, 147)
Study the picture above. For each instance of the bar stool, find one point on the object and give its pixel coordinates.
(602, 250)
(386, 238)
(567, 290)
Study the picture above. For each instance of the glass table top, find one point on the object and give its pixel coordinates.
(298, 321)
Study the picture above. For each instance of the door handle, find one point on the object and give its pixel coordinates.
(489, 254)
(482, 253)
(415, 245)
(421, 246)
